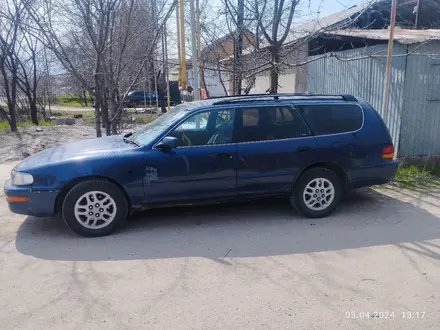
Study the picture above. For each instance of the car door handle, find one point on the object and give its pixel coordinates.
(224, 155)
(303, 149)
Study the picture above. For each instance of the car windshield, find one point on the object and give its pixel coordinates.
(151, 131)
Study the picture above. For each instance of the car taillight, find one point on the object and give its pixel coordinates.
(388, 152)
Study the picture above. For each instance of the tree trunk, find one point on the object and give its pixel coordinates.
(204, 83)
(161, 98)
(12, 102)
(105, 117)
(34, 111)
(33, 99)
(97, 103)
(10, 86)
(85, 98)
(98, 96)
(220, 78)
(113, 114)
(12, 115)
(274, 70)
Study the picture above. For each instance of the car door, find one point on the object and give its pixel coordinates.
(202, 166)
(274, 145)
(336, 127)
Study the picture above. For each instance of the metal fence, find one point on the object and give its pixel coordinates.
(420, 130)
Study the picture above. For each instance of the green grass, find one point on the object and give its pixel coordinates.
(411, 176)
(70, 114)
(144, 118)
(73, 101)
(5, 125)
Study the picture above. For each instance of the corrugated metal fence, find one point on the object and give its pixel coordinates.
(420, 130)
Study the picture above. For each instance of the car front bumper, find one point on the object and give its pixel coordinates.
(32, 202)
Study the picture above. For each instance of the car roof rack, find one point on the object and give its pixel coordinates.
(276, 97)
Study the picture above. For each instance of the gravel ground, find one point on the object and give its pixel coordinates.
(17, 146)
(373, 264)
(28, 140)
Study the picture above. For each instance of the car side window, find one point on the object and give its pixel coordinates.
(224, 117)
(205, 128)
(250, 117)
(197, 122)
(333, 118)
(271, 123)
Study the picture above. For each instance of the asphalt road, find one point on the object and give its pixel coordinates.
(251, 266)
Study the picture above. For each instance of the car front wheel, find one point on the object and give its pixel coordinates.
(94, 208)
(317, 193)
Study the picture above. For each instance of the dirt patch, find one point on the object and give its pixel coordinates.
(29, 140)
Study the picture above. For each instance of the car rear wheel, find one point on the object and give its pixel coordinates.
(317, 193)
(94, 208)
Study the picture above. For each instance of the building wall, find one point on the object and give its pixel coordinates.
(291, 79)
(420, 134)
(212, 80)
(361, 72)
(223, 48)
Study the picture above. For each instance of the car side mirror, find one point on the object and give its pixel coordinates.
(168, 142)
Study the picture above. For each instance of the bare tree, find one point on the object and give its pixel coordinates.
(28, 73)
(274, 19)
(103, 44)
(10, 14)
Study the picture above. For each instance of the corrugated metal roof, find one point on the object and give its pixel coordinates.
(402, 36)
(319, 24)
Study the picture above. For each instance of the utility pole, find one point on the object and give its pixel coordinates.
(179, 55)
(194, 52)
(167, 76)
(199, 49)
(182, 44)
(386, 92)
(419, 3)
(238, 48)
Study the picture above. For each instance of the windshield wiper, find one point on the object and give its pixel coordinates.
(127, 140)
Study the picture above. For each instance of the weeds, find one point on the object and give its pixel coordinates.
(411, 176)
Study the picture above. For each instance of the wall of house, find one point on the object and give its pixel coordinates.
(292, 79)
(212, 80)
(361, 72)
(420, 133)
(223, 48)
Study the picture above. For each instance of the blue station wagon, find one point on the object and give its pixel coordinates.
(310, 148)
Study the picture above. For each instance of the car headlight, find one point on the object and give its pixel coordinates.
(21, 179)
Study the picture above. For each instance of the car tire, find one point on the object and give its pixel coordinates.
(317, 192)
(94, 208)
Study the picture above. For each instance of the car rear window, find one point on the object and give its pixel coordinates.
(333, 118)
